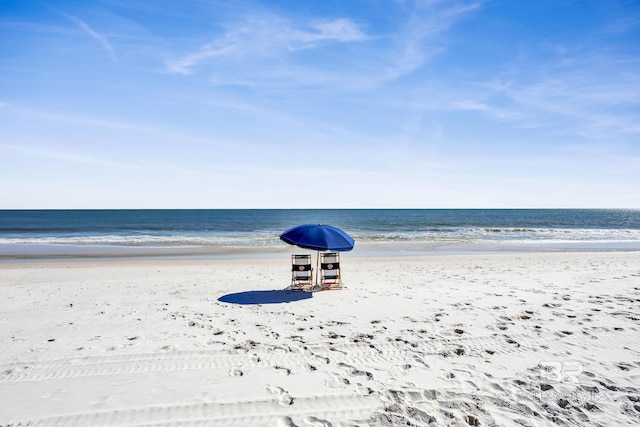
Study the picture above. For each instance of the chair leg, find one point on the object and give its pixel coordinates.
(332, 286)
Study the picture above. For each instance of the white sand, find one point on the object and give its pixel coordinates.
(530, 339)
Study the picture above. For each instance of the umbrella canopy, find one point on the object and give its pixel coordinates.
(318, 237)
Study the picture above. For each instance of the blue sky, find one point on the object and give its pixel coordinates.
(297, 104)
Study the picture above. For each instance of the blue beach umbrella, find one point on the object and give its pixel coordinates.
(318, 237)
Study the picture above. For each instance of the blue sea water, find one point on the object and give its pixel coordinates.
(423, 229)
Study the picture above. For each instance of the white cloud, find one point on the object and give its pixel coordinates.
(266, 36)
(591, 94)
(340, 30)
(596, 109)
(269, 49)
(417, 39)
(186, 64)
(499, 114)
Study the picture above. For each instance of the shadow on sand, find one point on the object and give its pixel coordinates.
(265, 297)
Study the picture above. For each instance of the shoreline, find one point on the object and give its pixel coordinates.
(65, 252)
(284, 259)
(272, 258)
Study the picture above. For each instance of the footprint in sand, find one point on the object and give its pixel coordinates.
(323, 359)
(590, 407)
(236, 372)
(336, 381)
(282, 396)
(510, 341)
(286, 422)
(471, 420)
(364, 390)
(316, 422)
(355, 371)
(285, 370)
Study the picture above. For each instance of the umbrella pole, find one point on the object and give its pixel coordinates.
(317, 264)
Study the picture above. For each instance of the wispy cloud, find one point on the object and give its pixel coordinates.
(591, 93)
(267, 36)
(159, 132)
(66, 156)
(338, 29)
(273, 50)
(62, 117)
(102, 40)
(416, 39)
(496, 113)
(595, 108)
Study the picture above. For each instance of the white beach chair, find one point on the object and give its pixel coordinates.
(330, 271)
(301, 272)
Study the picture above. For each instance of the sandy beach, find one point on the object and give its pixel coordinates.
(528, 339)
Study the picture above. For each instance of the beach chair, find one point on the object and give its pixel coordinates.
(301, 272)
(330, 271)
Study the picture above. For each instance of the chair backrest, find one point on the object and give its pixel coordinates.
(300, 265)
(330, 261)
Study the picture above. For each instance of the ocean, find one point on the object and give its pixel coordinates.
(25, 233)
